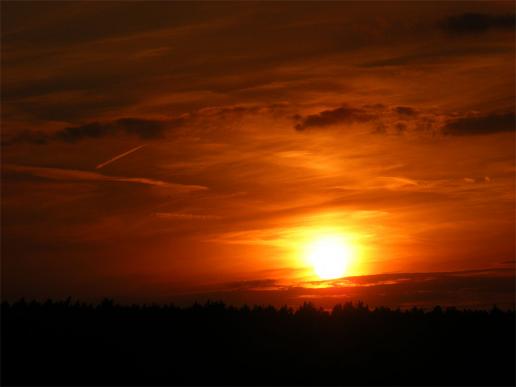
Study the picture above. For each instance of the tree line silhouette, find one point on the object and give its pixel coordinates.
(75, 343)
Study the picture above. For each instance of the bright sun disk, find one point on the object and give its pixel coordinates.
(330, 257)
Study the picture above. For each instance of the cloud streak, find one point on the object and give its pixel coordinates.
(473, 288)
(78, 175)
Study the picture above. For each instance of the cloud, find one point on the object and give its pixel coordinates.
(232, 110)
(474, 23)
(405, 111)
(145, 129)
(383, 118)
(464, 289)
(491, 123)
(341, 115)
(394, 182)
(28, 137)
(259, 284)
(406, 120)
(142, 128)
(401, 127)
(439, 55)
(78, 175)
(184, 216)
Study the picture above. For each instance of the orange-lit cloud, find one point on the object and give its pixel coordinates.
(264, 124)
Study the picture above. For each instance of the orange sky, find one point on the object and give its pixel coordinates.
(250, 129)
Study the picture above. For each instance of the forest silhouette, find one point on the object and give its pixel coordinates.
(74, 343)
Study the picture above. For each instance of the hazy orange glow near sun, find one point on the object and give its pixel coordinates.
(330, 256)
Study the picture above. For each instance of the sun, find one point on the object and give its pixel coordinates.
(330, 256)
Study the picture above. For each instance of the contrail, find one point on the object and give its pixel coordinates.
(101, 165)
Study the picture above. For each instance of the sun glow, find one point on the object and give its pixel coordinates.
(330, 256)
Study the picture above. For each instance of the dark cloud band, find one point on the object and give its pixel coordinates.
(341, 115)
(142, 128)
(474, 23)
(492, 123)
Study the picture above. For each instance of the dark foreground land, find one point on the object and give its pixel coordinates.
(68, 343)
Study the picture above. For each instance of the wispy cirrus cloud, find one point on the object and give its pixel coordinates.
(184, 216)
(78, 175)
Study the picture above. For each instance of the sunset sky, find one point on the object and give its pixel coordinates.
(173, 151)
